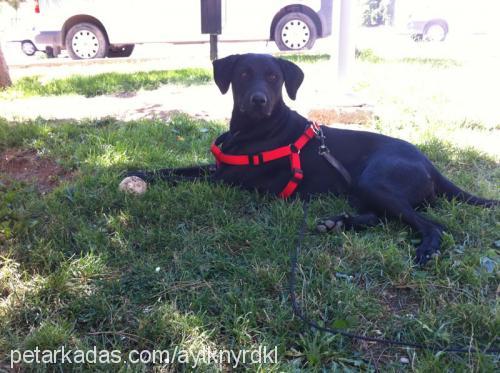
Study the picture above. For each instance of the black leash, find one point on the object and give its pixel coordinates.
(300, 314)
(324, 151)
(297, 311)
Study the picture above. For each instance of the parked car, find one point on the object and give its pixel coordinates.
(428, 29)
(110, 28)
(29, 47)
(434, 20)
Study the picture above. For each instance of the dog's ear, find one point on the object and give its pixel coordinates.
(293, 77)
(223, 71)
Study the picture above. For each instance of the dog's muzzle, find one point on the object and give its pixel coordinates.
(257, 104)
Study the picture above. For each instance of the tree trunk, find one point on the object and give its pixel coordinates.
(4, 72)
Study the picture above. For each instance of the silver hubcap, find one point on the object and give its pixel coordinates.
(295, 34)
(28, 48)
(435, 33)
(85, 44)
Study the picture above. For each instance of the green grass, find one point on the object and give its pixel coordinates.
(365, 55)
(198, 265)
(368, 55)
(106, 83)
(304, 58)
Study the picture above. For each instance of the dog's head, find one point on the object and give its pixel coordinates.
(257, 81)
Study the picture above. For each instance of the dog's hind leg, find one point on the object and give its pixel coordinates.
(430, 231)
(385, 203)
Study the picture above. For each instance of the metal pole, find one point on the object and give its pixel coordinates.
(213, 47)
(344, 48)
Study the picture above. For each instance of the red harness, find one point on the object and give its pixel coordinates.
(292, 151)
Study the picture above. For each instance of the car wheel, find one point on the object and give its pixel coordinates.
(28, 47)
(121, 51)
(86, 41)
(435, 31)
(295, 31)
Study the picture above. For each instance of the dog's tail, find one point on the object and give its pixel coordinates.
(451, 191)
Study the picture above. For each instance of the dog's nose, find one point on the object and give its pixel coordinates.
(258, 99)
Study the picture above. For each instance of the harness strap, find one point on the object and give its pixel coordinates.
(292, 151)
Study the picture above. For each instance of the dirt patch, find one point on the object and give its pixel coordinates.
(397, 300)
(362, 116)
(401, 300)
(26, 165)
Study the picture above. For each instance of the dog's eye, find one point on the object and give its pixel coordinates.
(272, 77)
(244, 75)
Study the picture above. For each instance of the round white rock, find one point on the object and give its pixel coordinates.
(133, 185)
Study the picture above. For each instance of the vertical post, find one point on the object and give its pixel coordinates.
(213, 47)
(343, 48)
(211, 23)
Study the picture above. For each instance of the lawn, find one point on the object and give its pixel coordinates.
(201, 266)
(105, 83)
(116, 83)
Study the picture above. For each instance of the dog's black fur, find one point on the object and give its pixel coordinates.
(390, 177)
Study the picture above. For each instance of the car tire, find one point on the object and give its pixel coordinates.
(86, 41)
(295, 31)
(28, 47)
(121, 51)
(435, 31)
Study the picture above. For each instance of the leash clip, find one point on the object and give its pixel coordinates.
(323, 149)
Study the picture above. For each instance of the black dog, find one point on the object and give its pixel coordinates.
(382, 176)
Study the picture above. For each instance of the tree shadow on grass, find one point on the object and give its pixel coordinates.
(199, 265)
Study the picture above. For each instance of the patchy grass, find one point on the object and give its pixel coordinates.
(106, 83)
(434, 62)
(368, 55)
(303, 57)
(420, 102)
(119, 83)
(204, 266)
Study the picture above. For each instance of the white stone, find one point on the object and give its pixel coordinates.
(133, 185)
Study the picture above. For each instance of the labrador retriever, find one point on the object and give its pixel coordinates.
(275, 150)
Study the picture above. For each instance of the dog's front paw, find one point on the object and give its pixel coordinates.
(429, 248)
(424, 255)
(334, 223)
